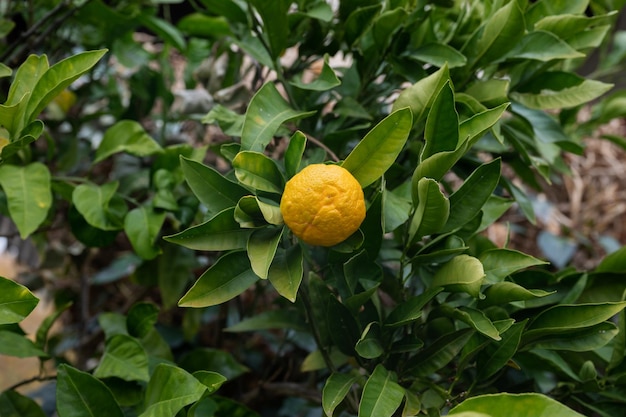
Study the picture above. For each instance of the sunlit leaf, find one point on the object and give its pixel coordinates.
(286, 272)
(514, 405)
(462, 273)
(258, 171)
(16, 301)
(335, 390)
(126, 136)
(124, 358)
(500, 263)
(381, 396)
(169, 390)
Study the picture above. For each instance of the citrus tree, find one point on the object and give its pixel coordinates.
(360, 151)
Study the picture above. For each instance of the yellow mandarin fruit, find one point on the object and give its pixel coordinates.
(323, 204)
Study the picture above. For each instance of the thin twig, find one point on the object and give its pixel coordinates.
(31, 380)
(319, 143)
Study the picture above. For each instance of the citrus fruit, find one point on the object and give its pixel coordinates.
(323, 204)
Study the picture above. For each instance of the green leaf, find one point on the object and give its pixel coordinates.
(220, 232)
(432, 211)
(266, 112)
(261, 249)
(514, 405)
(439, 353)
(439, 55)
(216, 360)
(163, 29)
(500, 263)
(275, 23)
(335, 390)
(506, 292)
(325, 81)
(16, 301)
(411, 309)
(126, 136)
(14, 404)
(294, 152)
(14, 344)
(169, 390)
(41, 337)
(28, 193)
(570, 317)
(463, 273)
(212, 188)
(57, 78)
(98, 206)
(26, 78)
(124, 358)
(490, 92)
(358, 21)
(586, 340)
(270, 319)
(420, 96)
(369, 345)
(543, 46)
(286, 272)
(380, 147)
(442, 124)
(227, 278)
(437, 165)
(228, 120)
(11, 118)
(477, 320)
(542, 8)
(554, 90)
(382, 395)
(258, 171)
(141, 319)
(473, 128)
(468, 200)
(212, 380)
(497, 355)
(614, 262)
(79, 394)
(495, 36)
(142, 226)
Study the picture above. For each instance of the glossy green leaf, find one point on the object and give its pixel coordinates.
(463, 273)
(439, 55)
(335, 390)
(497, 355)
(558, 90)
(490, 92)
(169, 390)
(569, 318)
(271, 319)
(369, 345)
(14, 344)
(495, 36)
(258, 171)
(28, 193)
(227, 278)
(614, 262)
(473, 128)
(275, 23)
(500, 263)
(11, 118)
(267, 111)
(79, 394)
(141, 318)
(213, 190)
(543, 46)
(41, 337)
(294, 152)
(411, 309)
(326, 80)
(16, 301)
(382, 395)
(442, 124)
(212, 380)
(124, 358)
(57, 78)
(439, 353)
(437, 165)
(432, 211)
(477, 320)
(468, 200)
(493, 209)
(396, 209)
(506, 292)
(286, 272)
(97, 205)
(586, 340)
(542, 8)
(262, 246)
(420, 96)
(142, 226)
(26, 77)
(248, 212)
(567, 26)
(514, 405)
(220, 232)
(126, 136)
(14, 404)
(380, 147)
